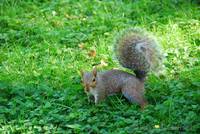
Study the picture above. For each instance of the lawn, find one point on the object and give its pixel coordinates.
(44, 44)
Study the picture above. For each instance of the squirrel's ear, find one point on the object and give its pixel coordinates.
(94, 72)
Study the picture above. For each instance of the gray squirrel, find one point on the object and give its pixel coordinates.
(135, 49)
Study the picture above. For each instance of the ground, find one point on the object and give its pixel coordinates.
(44, 44)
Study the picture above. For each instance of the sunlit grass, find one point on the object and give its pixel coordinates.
(44, 44)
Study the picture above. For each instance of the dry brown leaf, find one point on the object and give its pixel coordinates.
(92, 53)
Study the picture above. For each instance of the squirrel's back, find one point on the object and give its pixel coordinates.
(115, 80)
(138, 50)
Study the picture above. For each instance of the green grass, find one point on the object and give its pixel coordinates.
(40, 59)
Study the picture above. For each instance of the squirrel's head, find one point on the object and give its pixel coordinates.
(89, 80)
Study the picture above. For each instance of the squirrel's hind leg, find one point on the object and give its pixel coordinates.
(134, 96)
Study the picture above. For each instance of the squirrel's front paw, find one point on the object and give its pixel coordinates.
(90, 99)
(97, 99)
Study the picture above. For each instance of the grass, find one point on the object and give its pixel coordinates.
(44, 44)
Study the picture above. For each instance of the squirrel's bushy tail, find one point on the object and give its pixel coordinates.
(139, 51)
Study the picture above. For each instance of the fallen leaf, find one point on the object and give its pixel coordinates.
(92, 53)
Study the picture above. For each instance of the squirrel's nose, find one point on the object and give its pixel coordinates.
(87, 87)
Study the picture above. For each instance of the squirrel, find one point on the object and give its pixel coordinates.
(136, 50)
